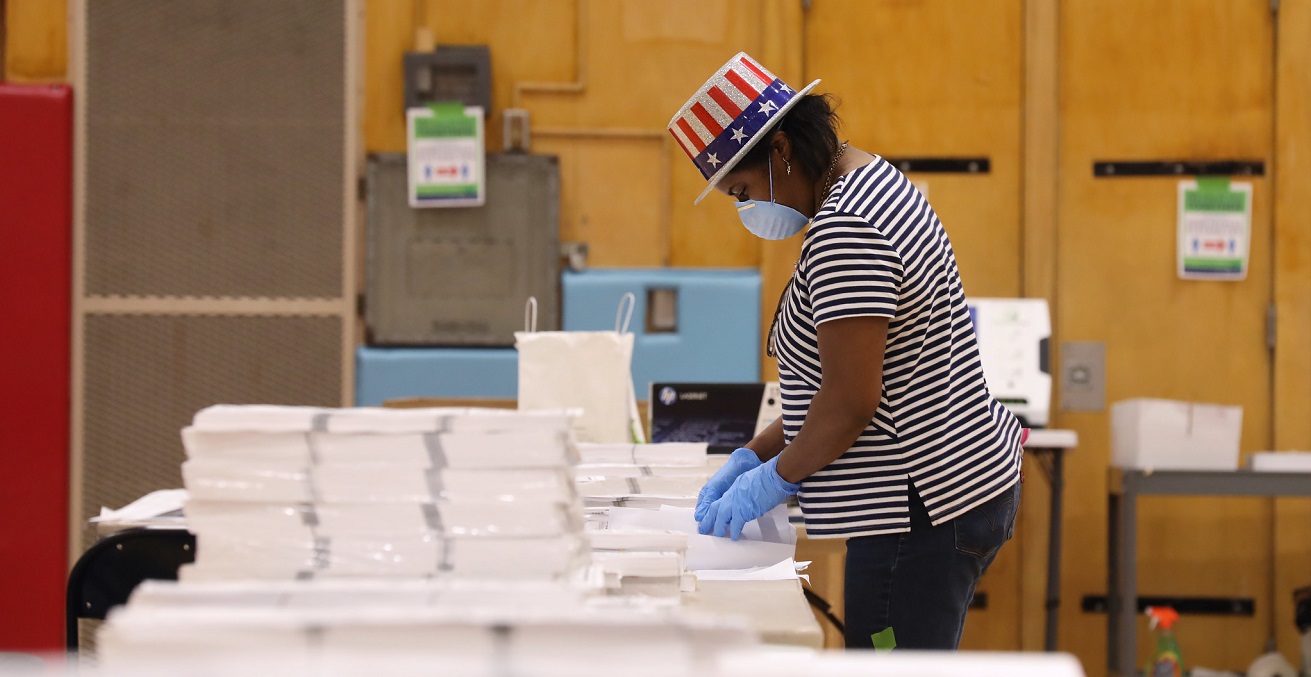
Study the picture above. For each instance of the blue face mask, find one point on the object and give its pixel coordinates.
(771, 220)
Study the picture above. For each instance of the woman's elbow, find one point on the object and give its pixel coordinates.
(860, 409)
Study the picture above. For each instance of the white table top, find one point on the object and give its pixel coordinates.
(1044, 438)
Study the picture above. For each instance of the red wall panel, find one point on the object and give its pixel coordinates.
(36, 151)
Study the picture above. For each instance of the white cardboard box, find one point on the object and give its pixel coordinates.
(1167, 435)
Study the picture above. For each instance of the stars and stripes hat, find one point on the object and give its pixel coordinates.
(729, 115)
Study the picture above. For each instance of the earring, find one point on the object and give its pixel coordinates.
(789, 167)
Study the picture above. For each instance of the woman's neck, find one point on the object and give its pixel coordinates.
(852, 159)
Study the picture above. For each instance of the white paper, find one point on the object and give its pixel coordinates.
(710, 552)
(640, 564)
(270, 418)
(648, 486)
(252, 557)
(309, 594)
(754, 549)
(258, 417)
(639, 501)
(688, 454)
(150, 506)
(630, 470)
(643, 540)
(461, 641)
(783, 571)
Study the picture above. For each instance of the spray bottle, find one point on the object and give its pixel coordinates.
(1168, 660)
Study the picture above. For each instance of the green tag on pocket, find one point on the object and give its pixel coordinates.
(884, 641)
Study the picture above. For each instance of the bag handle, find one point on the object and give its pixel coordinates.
(530, 315)
(621, 320)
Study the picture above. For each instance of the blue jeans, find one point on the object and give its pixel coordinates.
(921, 583)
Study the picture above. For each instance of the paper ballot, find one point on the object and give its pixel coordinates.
(783, 571)
(164, 505)
(765, 542)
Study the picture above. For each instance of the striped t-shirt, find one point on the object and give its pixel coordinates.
(877, 249)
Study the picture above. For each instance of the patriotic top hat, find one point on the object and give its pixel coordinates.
(730, 114)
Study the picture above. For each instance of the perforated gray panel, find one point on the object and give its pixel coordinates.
(146, 376)
(461, 276)
(215, 133)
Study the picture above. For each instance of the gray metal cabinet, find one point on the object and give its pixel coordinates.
(460, 276)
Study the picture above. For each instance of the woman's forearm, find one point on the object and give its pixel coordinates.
(769, 442)
(832, 425)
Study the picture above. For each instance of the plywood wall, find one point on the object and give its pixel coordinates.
(1041, 87)
(36, 40)
(1292, 300)
(1156, 81)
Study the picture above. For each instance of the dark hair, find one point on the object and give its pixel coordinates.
(812, 125)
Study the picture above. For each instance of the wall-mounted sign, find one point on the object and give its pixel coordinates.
(446, 156)
(1215, 229)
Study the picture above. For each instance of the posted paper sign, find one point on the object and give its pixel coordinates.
(1215, 229)
(446, 156)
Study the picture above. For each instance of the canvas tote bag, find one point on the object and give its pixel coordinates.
(587, 370)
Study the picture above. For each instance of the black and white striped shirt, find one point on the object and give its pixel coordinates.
(877, 249)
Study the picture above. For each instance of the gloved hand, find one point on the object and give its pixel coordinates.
(753, 494)
(739, 462)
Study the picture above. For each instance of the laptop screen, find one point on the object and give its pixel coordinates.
(724, 415)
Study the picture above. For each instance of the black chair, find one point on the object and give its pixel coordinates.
(111, 569)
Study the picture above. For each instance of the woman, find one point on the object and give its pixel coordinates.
(889, 435)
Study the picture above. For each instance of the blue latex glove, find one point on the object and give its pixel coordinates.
(753, 494)
(738, 462)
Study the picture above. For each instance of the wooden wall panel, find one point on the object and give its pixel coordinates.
(36, 42)
(936, 78)
(1292, 300)
(1156, 80)
(1038, 280)
(617, 232)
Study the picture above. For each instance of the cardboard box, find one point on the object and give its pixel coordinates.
(1166, 435)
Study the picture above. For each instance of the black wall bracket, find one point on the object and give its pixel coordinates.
(1210, 606)
(942, 165)
(1128, 168)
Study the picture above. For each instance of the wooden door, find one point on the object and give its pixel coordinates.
(1292, 369)
(1150, 81)
(940, 78)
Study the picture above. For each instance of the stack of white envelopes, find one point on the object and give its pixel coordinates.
(641, 475)
(650, 563)
(684, 454)
(644, 563)
(300, 492)
(544, 640)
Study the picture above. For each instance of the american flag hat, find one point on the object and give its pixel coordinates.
(729, 115)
